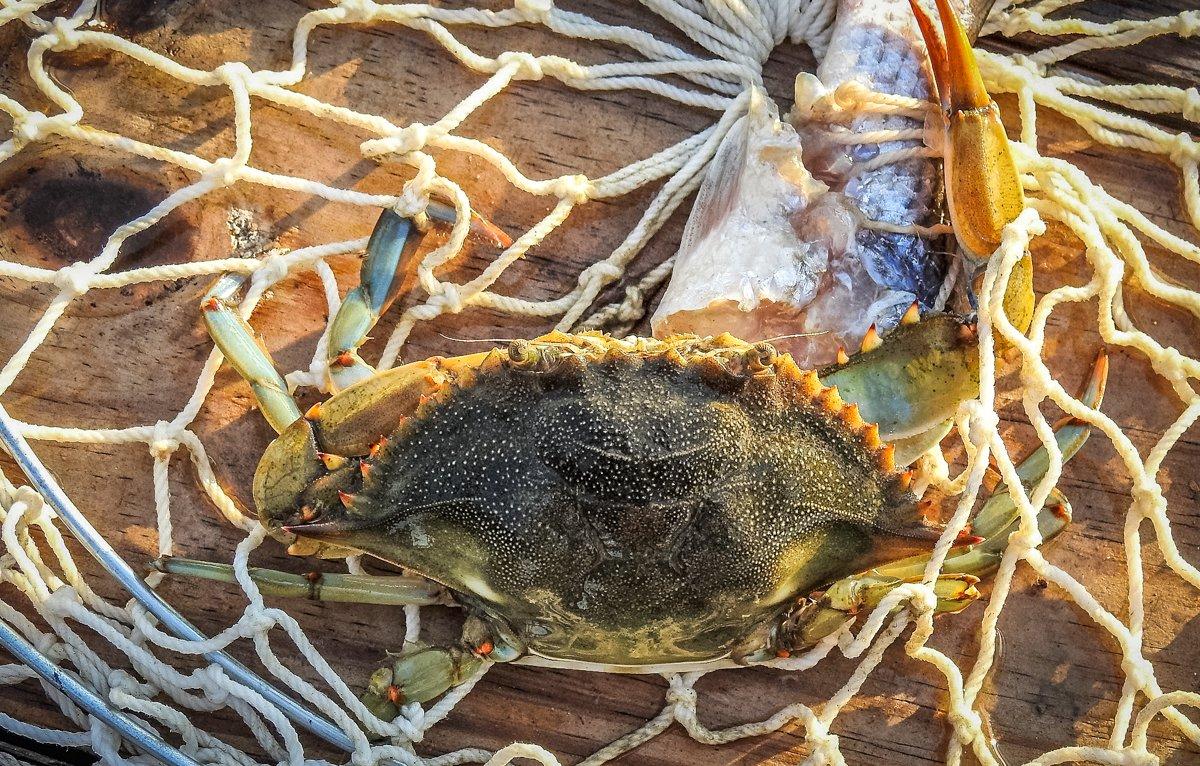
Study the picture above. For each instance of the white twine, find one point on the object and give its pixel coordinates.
(736, 38)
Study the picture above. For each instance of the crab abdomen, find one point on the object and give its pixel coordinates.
(629, 508)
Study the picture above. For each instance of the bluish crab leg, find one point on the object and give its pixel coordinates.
(996, 521)
(386, 590)
(245, 351)
(421, 672)
(358, 314)
(388, 249)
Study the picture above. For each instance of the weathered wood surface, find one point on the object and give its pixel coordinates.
(130, 357)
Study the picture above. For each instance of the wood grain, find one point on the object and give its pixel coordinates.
(124, 357)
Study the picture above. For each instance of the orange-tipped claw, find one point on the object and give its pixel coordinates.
(955, 72)
(935, 47)
(983, 189)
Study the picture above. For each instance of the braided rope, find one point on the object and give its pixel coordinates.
(737, 37)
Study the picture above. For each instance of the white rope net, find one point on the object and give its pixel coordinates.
(47, 599)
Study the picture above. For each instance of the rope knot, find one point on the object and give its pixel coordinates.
(30, 128)
(1025, 539)
(681, 696)
(163, 442)
(1019, 20)
(414, 713)
(1137, 668)
(983, 421)
(968, 720)
(35, 506)
(1191, 105)
(233, 71)
(849, 95)
(75, 279)
(1188, 24)
(576, 188)
(412, 200)
(411, 138)
(61, 602)
(358, 11)
(822, 741)
(600, 274)
(534, 11)
(921, 598)
(273, 267)
(448, 298)
(527, 65)
(214, 684)
(225, 170)
(256, 621)
(66, 36)
(1183, 148)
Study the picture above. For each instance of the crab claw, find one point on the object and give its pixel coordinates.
(983, 188)
(974, 556)
(999, 516)
(912, 382)
(982, 184)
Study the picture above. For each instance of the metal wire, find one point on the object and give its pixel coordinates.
(144, 740)
(45, 483)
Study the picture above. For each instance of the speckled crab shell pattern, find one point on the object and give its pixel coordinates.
(617, 501)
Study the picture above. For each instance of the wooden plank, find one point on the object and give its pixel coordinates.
(124, 357)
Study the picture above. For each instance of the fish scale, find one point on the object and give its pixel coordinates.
(877, 43)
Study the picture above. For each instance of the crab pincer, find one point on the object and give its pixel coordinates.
(983, 187)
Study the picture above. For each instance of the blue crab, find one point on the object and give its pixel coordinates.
(638, 504)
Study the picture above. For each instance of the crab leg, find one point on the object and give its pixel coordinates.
(245, 351)
(387, 251)
(991, 528)
(983, 188)
(388, 590)
(423, 672)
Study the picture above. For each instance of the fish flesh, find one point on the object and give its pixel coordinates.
(794, 232)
